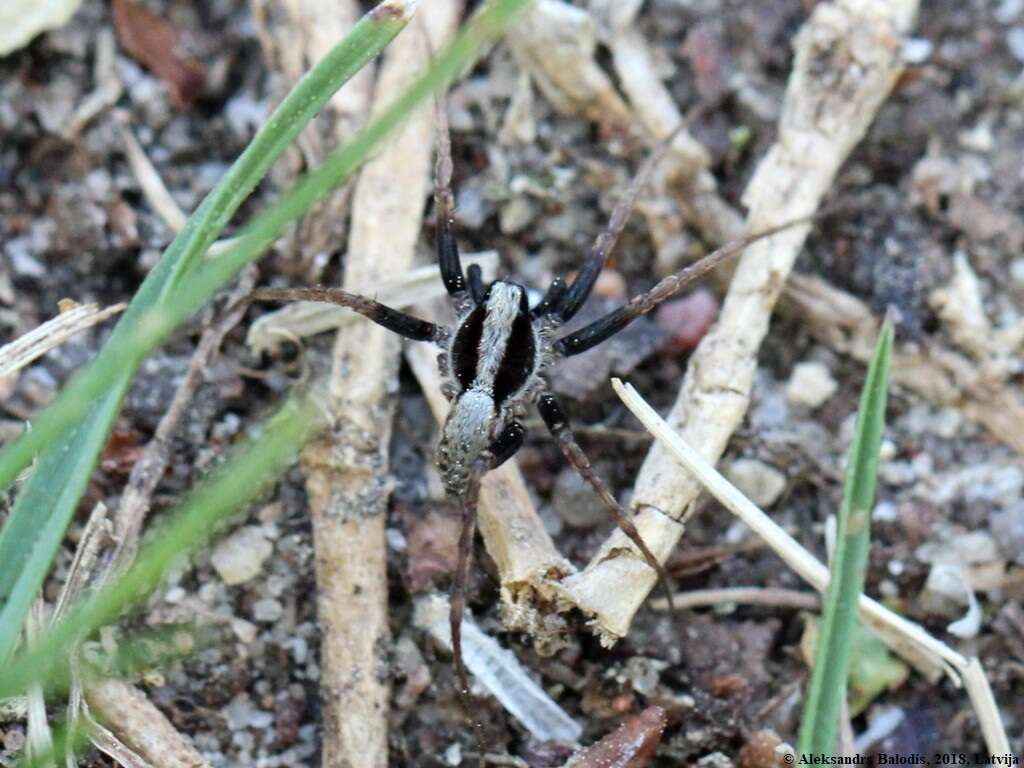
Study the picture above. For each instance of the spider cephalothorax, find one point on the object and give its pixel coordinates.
(493, 362)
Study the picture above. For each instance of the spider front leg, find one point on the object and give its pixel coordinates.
(398, 322)
(444, 210)
(565, 302)
(604, 328)
(558, 424)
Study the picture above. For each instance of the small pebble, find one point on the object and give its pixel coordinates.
(810, 385)
(759, 482)
(575, 502)
(688, 319)
(916, 50)
(610, 284)
(240, 556)
(1015, 42)
(267, 610)
(244, 630)
(516, 215)
(1008, 528)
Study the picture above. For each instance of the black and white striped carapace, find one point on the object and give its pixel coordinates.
(493, 359)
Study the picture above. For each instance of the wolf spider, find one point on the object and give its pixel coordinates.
(494, 358)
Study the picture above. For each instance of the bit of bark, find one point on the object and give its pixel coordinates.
(156, 44)
(346, 471)
(555, 43)
(847, 60)
(141, 726)
(632, 745)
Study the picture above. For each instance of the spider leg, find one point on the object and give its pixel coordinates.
(593, 334)
(444, 208)
(457, 599)
(404, 325)
(552, 296)
(577, 293)
(558, 424)
(476, 284)
(508, 442)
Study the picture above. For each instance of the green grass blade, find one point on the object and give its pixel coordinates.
(67, 453)
(104, 382)
(126, 349)
(367, 38)
(243, 477)
(820, 726)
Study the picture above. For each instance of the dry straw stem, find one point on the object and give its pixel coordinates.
(686, 163)
(940, 375)
(835, 317)
(904, 637)
(529, 566)
(51, 334)
(555, 43)
(346, 471)
(152, 463)
(307, 318)
(153, 738)
(847, 60)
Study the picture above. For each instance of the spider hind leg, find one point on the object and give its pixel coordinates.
(554, 417)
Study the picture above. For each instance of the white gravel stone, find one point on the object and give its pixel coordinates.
(267, 610)
(810, 385)
(759, 482)
(240, 556)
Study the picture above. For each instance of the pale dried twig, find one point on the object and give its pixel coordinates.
(853, 330)
(37, 342)
(346, 476)
(904, 637)
(555, 42)
(847, 59)
(700, 598)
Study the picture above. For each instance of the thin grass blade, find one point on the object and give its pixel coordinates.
(24, 554)
(35, 528)
(243, 477)
(820, 726)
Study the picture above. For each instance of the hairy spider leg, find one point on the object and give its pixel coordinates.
(553, 415)
(569, 303)
(605, 327)
(553, 295)
(476, 284)
(444, 209)
(508, 443)
(457, 598)
(398, 322)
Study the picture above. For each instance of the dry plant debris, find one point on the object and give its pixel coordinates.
(543, 146)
